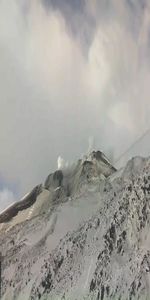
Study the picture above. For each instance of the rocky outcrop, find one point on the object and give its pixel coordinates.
(108, 257)
(56, 230)
(54, 180)
(13, 210)
(68, 181)
(91, 166)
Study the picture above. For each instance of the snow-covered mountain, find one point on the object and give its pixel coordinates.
(84, 234)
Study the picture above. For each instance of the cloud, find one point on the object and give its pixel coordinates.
(60, 86)
(6, 198)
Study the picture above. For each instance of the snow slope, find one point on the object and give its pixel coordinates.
(85, 237)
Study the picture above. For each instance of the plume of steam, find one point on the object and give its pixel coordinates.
(91, 144)
(60, 163)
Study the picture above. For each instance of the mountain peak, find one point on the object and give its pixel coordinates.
(67, 180)
(87, 234)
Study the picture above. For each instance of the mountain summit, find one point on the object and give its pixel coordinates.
(83, 234)
(62, 183)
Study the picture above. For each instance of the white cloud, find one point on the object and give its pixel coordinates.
(120, 114)
(53, 95)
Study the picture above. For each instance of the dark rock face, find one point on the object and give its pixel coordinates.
(54, 180)
(88, 168)
(48, 181)
(58, 177)
(98, 155)
(88, 164)
(29, 200)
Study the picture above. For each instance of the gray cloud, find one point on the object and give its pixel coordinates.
(6, 198)
(60, 86)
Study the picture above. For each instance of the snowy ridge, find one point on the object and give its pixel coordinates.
(92, 244)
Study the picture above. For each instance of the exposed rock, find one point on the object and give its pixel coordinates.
(54, 180)
(104, 254)
(13, 210)
(95, 165)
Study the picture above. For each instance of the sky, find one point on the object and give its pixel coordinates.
(71, 71)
